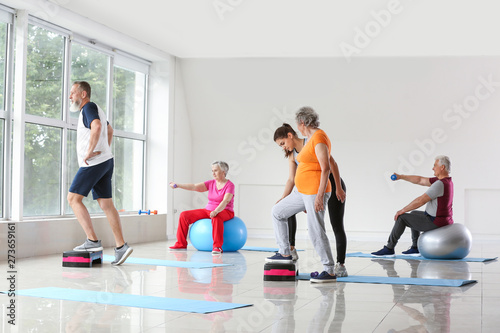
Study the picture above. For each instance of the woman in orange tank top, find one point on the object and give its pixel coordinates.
(311, 194)
(287, 139)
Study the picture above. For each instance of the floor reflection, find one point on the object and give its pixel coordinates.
(215, 284)
(92, 317)
(283, 294)
(328, 318)
(428, 306)
(332, 304)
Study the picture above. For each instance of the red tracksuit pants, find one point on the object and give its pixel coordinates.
(190, 216)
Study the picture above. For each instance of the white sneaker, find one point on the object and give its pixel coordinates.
(340, 270)
(294, 254)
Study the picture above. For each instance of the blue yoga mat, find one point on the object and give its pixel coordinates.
(169, 263)
(367, 255)
(136, 301)
(397, 280)
(261, 249)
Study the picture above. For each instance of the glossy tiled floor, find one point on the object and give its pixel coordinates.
(277, 306)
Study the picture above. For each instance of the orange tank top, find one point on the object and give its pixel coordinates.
(308, 174)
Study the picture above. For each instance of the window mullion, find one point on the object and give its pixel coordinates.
(9, 77)
(145, 143)
(65, 110)
(44, 121)
(21, 32)
(110, 89)
(129, 135)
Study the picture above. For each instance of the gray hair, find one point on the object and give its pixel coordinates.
(307, 116)
(444, 160)
(222, 165)
(84, 86)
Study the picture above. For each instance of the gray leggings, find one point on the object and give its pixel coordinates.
(292, 204)
(417, 221)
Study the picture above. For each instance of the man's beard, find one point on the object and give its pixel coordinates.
(74, 106)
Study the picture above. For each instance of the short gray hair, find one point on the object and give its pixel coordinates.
(444, 160)
(84, 86)
(222, 165)
(307, 116)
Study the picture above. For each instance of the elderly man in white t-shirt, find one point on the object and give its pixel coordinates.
(94, 136)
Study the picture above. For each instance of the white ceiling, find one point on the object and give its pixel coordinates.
(299, 28)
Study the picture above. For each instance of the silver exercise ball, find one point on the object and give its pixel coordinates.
(449, 242)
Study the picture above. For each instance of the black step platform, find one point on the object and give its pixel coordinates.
(81, 259)
(279, 272)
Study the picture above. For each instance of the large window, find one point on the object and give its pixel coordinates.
(129, 96)
(44, 75)
(53, 62)
(42, 170)
(129, 100)
(43, 137)
(128, 175)
(91, 66)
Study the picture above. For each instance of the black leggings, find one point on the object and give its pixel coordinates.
(336, 210)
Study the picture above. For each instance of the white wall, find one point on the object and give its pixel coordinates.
(383, 115)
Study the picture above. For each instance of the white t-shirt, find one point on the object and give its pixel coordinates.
(89, 113)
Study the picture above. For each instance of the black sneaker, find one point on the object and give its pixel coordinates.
(412, 251)
(324, 277)
(385, 252)
(279, 259)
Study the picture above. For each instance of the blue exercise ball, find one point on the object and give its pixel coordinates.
(453, 241)
(235, 235)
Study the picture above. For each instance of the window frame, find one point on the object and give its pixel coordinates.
(7, 16)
